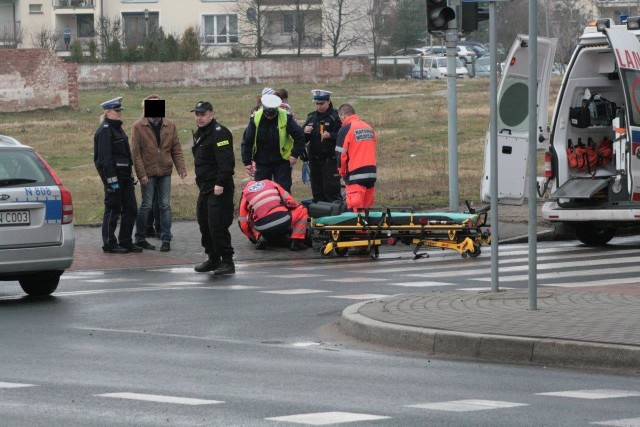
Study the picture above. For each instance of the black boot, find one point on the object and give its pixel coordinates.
(227, 267)
(261, 244)
(297, 245)
(208, 265)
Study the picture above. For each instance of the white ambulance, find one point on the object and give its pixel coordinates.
(592, 159)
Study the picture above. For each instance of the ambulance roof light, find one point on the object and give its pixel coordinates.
(633, 23)
(601, 24)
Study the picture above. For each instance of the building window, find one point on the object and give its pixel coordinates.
(292, 22)
(35, 8)
(136, 27)
(85, 26)
(220, 29)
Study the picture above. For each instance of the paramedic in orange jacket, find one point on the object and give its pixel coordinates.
(268, 211)
(356, 149)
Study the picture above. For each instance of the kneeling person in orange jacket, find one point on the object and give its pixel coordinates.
(267, 211)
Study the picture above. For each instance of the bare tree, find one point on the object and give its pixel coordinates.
(108, 30)
(45, 38)
(11, 35)
(567, 20)
(342, 25)
(376, 15)
(253, 19)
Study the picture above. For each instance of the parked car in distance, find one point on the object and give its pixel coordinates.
(409, 51)
(482, 67)
(437, 66)
(415, 74)
(37, 238)
(465, 53)
(435, 50)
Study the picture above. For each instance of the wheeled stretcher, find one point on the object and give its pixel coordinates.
(462, 232)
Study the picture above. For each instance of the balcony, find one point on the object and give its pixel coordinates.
(70, 5)
(291, 3)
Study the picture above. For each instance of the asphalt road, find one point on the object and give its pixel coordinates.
(169, 346)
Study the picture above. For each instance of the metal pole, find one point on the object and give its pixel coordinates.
(533, 158)
(451, 41)
(493, 142)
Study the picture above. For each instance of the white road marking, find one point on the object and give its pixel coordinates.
(296, 276)
(580, 273)
(604, 282)
(294, 291)
(423, 284)
(356, 280)
(14, 385)
(326, 418)
(592, 394)
(114, 280)
(160, 398)
(467, 405)
(459, 263)
(626, 422)
(305, 344)
(542, 266)
(176, 284)
(232, 287)
(486, 288)
(358, 297)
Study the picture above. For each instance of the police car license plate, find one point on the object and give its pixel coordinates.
(15, 218)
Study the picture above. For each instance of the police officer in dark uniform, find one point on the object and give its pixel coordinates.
(321, 129)
(112, 157)
(214, 164)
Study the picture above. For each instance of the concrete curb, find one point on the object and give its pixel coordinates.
(491, 348)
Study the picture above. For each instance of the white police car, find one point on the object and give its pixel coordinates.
(36, 220)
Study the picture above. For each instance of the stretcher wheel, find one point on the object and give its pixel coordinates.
(322, 248)
(476, 251)
(341, 251)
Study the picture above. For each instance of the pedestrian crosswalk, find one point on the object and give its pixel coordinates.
(566, 264)
(281, 412)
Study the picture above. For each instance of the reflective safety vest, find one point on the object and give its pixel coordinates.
(286, 141)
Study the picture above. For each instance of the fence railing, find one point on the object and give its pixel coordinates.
(75, 4)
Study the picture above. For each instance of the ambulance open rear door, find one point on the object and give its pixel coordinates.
(513, 119)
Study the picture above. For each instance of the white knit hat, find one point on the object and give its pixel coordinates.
(268, 91)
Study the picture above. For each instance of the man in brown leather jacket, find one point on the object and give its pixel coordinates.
(155, 149)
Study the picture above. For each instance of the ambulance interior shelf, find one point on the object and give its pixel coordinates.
(593, 110)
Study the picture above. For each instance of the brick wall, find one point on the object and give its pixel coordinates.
(31, 79)
(221, 72)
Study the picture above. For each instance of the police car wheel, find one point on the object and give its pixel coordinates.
(40, 284)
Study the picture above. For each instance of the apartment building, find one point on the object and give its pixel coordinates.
(286, 26)
(617, 9)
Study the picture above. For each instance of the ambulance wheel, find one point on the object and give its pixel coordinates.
(593, 235)
(476, 251)
(341, 251)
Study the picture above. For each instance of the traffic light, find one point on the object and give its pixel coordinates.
(471, 15)
(438, 16)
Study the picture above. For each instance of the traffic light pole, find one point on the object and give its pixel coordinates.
(451, 43)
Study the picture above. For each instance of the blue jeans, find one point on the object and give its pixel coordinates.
(161, 186)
